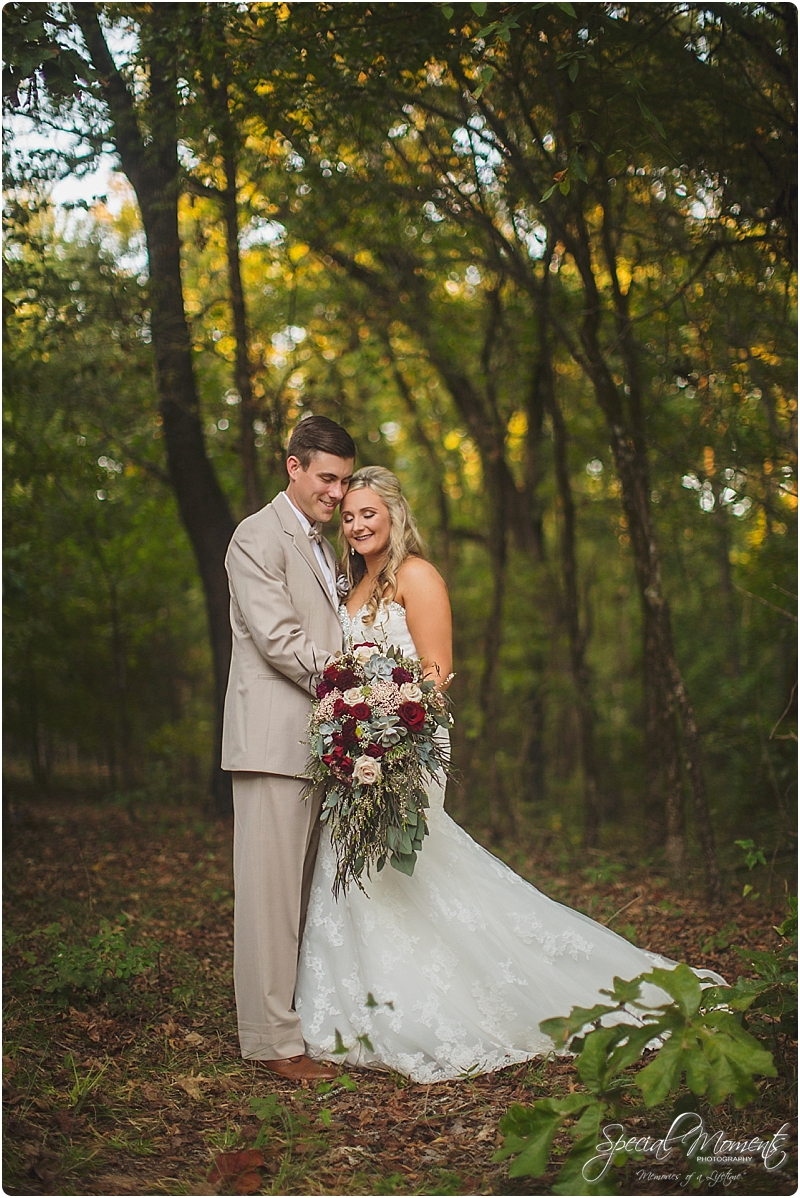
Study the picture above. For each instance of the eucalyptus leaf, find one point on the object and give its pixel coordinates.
(403, 863)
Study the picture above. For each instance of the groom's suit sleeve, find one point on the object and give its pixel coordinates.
(257, 573)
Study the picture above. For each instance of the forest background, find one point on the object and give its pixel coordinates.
(539, 260)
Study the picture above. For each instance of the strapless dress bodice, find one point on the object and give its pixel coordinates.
(389, 628)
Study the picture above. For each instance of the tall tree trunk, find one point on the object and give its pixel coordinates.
(544, 383)
(119, 658)
(536, 408)
(532, 749)
(248, 411)
(629, 448)
(663, 774)
(151, 165)
(676, 686)
(503, 819)
(721, 521)
(581, 675)
(428, 448)
(628, 444)
(30, 704)
(210, 27)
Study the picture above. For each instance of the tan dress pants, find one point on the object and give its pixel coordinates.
(275, 841)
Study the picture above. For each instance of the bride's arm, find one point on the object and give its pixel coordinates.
(423, 593)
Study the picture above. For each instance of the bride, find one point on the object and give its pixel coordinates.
(451, 970)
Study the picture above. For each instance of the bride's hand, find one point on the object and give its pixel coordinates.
(441, 683)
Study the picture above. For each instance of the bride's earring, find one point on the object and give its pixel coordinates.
(352, 550)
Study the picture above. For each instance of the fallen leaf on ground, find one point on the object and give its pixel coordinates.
(227, 1164)
(348, 1153)
(193, 1086)
(238, 1171)
(248, 1183)
(46, 1166)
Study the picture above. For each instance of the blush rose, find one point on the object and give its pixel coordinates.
(362, 653)
(366, 770)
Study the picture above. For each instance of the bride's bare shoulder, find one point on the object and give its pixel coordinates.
(418, 579)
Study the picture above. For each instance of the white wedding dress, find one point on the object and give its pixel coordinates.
(463, 959)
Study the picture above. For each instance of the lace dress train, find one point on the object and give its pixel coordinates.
(452, 969)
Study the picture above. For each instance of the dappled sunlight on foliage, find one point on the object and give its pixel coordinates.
(539, 261)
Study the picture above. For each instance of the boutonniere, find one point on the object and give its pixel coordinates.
(342, 586)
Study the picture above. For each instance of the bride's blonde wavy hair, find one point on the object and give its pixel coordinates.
(404, 538)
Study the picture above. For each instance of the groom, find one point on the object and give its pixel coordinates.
(284, 616)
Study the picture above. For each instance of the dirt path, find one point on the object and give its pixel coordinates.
(142, 1096)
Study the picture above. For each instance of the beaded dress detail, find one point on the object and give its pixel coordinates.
(462, 960)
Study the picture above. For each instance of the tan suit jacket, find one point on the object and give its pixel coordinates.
(285, 631)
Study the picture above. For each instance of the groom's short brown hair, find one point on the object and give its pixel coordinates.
(318, 434)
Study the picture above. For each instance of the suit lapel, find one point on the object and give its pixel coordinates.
(293, 528)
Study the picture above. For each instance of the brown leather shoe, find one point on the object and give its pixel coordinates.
(300, 1068)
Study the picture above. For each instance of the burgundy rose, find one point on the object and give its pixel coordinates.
(375, 750)
(347, 736)
(399, 675)
(339, 677)
(412, 715)
(338, 761)
(360, 711)
(324, 688)
(340, 708)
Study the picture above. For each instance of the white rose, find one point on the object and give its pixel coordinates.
(366, 771)
(362, 653)
(410, 692)
(353, 696)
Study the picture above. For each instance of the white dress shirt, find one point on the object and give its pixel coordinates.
(330, 581)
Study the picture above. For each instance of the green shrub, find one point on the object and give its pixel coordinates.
(704, 1048)
(772, 1012)
(102, 965)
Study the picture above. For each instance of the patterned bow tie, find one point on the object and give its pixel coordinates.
(315, 535)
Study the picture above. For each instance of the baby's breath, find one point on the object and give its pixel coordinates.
(324, 710)
(385, 696)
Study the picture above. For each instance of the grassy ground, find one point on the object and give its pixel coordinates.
(143, 1092)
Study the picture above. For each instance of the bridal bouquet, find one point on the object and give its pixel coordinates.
(371, 735)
